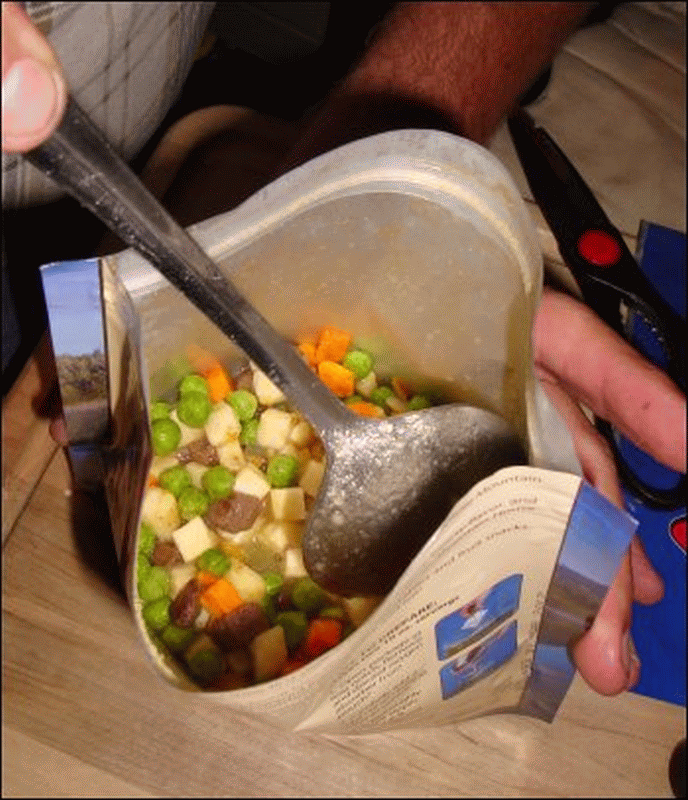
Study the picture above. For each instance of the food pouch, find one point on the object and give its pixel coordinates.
(418, 243)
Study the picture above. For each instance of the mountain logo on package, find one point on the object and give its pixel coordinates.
(677, 531)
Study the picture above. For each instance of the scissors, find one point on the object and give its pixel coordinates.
(610, 280)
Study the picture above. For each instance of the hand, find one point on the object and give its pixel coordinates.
(34, 90)
(579, 359)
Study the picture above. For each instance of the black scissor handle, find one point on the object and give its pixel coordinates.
(605, 270)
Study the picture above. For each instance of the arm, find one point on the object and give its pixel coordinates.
(456, 66)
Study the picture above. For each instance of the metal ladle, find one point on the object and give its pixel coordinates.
(388, 483)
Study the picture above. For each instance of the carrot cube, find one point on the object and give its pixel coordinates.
(332, 345)
(367, 409)
(219, 383)
(321, 635)
(307, 349)
(337, 378)
(220, 598)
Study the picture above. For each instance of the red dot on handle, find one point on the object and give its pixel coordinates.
(599, 248)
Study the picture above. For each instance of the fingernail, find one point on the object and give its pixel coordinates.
(629, 656)
(32, 96)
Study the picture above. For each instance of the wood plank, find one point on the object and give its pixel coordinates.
(30, 769)
(27, 446)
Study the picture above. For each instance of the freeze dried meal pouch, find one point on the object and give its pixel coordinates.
(417, 244)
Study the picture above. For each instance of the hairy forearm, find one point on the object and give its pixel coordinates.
(459, 66)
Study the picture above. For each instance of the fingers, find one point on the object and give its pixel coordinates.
(648, 587)
(596, 366)
(34, 91)
(58, 430)
(591, 448)
(605, 655)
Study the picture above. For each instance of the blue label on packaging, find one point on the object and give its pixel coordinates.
(597, 536)
(75, 314)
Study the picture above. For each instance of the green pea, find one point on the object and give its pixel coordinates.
(165, 436)
(249, 432)
(206, 664)
(192, 502)
(218, 482)
(269, 608)
(157, 613)
(143, 567)
(379, 396)
(273, 583)
(244, 403)
(147, 539)
(176, 638)
(418, 402)
(213, 560)
(294, 624)
(193, 383)
(194, 409)
(160, 410)
(154, 585)
(332, 612)
(307, 596)
(175, 479)
(282, 470)
(354, 398)
(359, 362)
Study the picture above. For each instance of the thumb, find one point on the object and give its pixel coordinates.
(34, 91)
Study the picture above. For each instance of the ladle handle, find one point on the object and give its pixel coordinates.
(80, 160)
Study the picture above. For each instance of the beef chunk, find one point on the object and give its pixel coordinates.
(166, 554)
(200, 451)
(242, 375)
(186, 605)
(235, 513)
(239, 627)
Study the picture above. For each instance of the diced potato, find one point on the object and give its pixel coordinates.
(280, 536)
(269, 653)
(249, 584)
(360, 608)
(293, 564)
(301, 434)
(188, 434)
(250, 480)
(231, 455)
(159, 463)
(180, 575)
(288, 504)
(364, 386)
(222, 424)
(196, 471)
(395, 404)
(274, 427)
(193, 539)
(265, 390)
(159, 510)
(312, 476)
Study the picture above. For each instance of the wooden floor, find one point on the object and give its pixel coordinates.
(84, 714)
